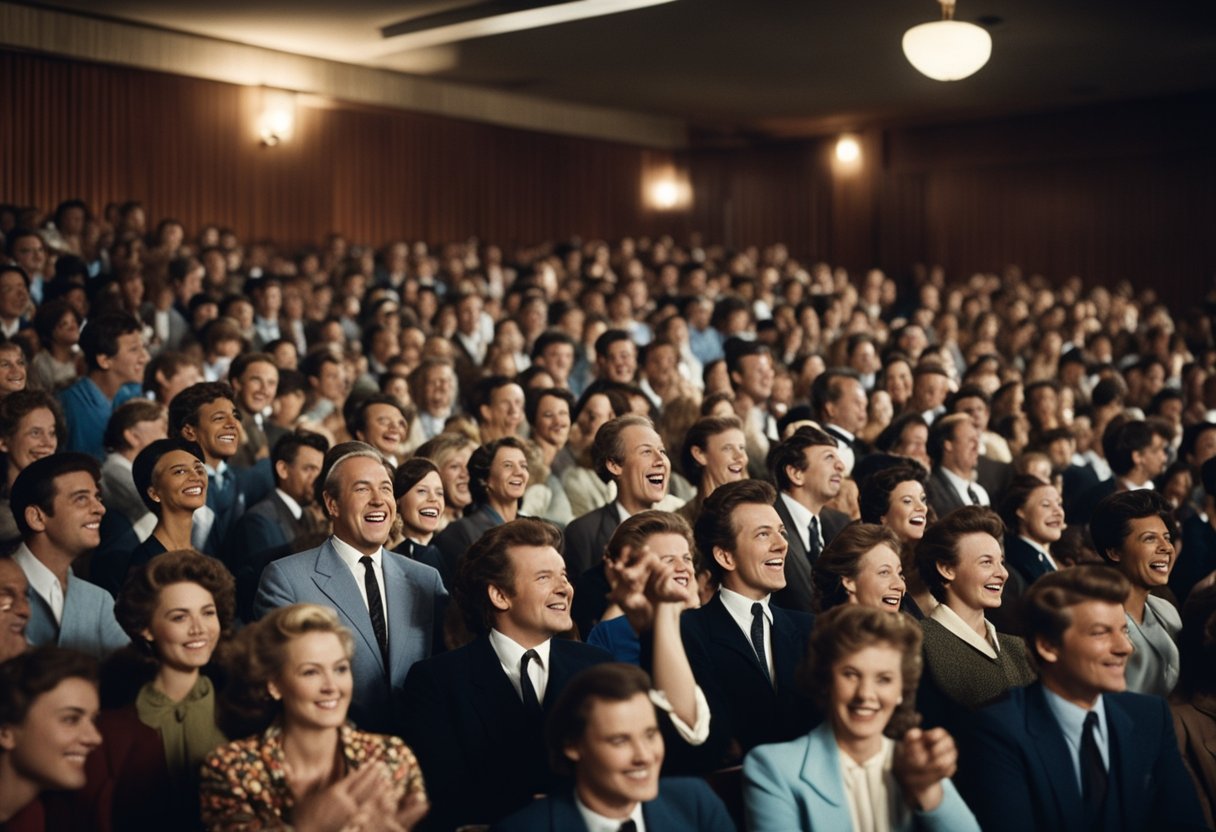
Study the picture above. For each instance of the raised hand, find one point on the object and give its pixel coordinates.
(922, 760)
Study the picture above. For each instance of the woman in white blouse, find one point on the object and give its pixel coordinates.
(864, 768)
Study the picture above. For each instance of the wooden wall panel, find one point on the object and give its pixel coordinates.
(187, 148)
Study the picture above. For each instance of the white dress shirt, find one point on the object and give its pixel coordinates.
(740, 609)
(598, 823)
(951, 620)
(42, 580)
(844, 446)
(801, 515)
(961, 485)
(510, 654)
(869, 788)
(293, 506)
(350, 556)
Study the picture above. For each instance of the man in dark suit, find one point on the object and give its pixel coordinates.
(255, 380)
(394, 606)
(992, 474)
(744, 651)
(1136, 452)
(477, 712)
(840, 406)
(604, 734)
(206, 413)
(808, 472)
(1073, 750)
(273, 527)
(954, 448)
(628, 451)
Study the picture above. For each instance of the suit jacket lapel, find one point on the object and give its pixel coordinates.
(495, 699)
(334, 579)
(1124, 758)
(1054, 754)
(797, 552)
(821, 770)
(787, 652)
(565, 816)
(726, 632)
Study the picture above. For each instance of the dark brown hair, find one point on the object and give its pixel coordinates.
(609, 682)
(635, 531)
(716, 525)
(488, 563)
(940, 543)
(136, 603)
(1046, 606)
(842, 558)
(28, 676)
(698, 436)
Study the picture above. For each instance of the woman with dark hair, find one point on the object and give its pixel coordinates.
(1134, 532)
(967, 662)
(58, 326)
(896, 379)
(714, 452)
(178, 610)
(1033, 511)
(418, 490)
(861, 565)
(305, 767)
(866, 766)
(895, 497)
(1194, 699)
(906, 436)
(31, 423)
(171, 477)
(498, 478)
(450, 452)
(48, 701)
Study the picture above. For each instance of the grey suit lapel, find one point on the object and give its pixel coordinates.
(334, 579)
(401, 594)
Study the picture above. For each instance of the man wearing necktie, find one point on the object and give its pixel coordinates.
(954, 448)
(605, 736)
(255, 380)
(1074, 750)
(393, 605)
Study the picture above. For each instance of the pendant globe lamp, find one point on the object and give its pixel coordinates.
(947, 49)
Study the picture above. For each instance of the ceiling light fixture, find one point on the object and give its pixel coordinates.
(947, 49)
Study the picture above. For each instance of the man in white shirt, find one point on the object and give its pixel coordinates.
(433, 388)
(840, 406)
(750, 367)
(56, 502)
(477, 712)
(393, 605)
(255, 380)
(954, 447)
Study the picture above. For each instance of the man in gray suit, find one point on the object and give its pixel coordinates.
(57, 504)
(808, 470)
(393, 605)
(954, 447)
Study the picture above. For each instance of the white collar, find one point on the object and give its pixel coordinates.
(800, 514)
(351, 556)
(1147, 485)
(40, 577)
(960, 485)
(740, 606)
(883, 760)
(834, 428)
(292, 505)
(598, 823)
(1042, 550)
(953, 622)
(510, 652)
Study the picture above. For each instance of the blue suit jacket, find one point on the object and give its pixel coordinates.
(682, 804)
(481, 754)
(1016, 771)
(415, 603)
(243, 488)
(1027, 560)
(88, 623)
(747, 710)
(798, 785)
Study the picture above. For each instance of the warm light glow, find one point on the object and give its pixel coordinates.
(665, 194)
(277, 120)
(947, 50)
(847, 149)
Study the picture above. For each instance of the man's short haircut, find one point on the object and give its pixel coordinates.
(1120, 441)
(1190, 437)
(1111, 522)
(356, 411)
(287, 449)
(35, 486)
(420, 374)
(126, 416)
(242, 362)
(100, 335)
(315, 360)
(607, 339)
(167, 364)
(609, 443)
(941, 540)
(736, 349)
(617, 400)
(943, 430)
(184, 408)
(716, 525)
(27, 676)
(548, 338)
(482, 460)
(567, 723)
(791, 453)
(327, 478)
(929, 368)
(828, 387)
(1108, 391)
(483, 392)
(488, 563)
(967, 391)
(698, 436)
(893, 433)
(291, 381)
(533, 399)
(1046, 606)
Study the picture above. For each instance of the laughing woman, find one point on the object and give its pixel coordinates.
(418, 489)
(860, 566)
(1134, 531)
(967, 662)
(171, 477)
(306, 767)
(1033, 512)
(895, 497)
(865, 767)
(714, 453)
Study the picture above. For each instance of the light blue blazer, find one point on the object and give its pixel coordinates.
(88, 623)
(415, 602)
(798, 785)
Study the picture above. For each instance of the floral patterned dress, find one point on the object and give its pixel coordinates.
(244, 787)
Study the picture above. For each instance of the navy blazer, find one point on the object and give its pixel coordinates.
(456, 539)
(747, 710)
(943, 499)
(242, 489)
(482, 756)
(1017, 773)
(415, 605)
(587, 537)
(683, 804)
(265, 533)
(798, 590)
(1027, 560)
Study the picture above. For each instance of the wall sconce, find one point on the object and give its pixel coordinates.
(848, 151)
(668, 193)
(277, 117)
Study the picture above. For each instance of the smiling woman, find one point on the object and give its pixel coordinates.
(31, 423)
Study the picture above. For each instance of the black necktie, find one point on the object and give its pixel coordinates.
(814, 547)
(375, 607)
(758, 637)
(973, 496)
(531, 703)
(627, 826)
(1093, 773)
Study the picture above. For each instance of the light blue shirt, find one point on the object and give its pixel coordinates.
(1071, 719)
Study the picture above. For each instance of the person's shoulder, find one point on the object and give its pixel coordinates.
(685, 790)
(414, 570)
(1137, 705)
(777, 753)
(580, 651)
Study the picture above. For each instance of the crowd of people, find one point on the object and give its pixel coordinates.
(585, 536)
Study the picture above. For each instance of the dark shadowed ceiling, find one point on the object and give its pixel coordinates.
(777, 67)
